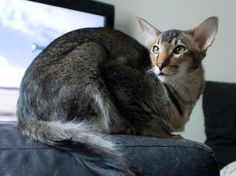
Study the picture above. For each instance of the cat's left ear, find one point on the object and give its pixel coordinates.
(205, 33)
(151, 33)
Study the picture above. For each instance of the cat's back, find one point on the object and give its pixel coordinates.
(68, 68)
(115, 42)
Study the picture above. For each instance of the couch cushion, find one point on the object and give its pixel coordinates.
(219, 105)
(19, 156)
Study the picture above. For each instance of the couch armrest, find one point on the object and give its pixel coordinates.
(19, 156)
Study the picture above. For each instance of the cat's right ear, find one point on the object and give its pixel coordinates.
(151, 33)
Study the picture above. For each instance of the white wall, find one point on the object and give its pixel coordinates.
(220, 63)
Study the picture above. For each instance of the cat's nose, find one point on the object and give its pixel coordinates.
(160, 66)
(162, 60)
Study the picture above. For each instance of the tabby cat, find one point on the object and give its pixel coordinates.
(94, 81)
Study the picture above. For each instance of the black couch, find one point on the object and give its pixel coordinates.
(19, 156)
(219, 105)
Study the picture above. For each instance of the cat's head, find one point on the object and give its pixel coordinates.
(174, 53)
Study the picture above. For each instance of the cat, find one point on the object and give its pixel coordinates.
(96, 81)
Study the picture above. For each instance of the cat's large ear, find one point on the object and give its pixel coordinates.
(151, 33)
(205, 33)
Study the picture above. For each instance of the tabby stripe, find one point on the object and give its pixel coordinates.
(174, 98)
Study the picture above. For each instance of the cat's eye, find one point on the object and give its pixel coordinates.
(179, 49)
(155, 49)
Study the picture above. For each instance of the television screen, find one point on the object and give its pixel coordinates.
(27, 27)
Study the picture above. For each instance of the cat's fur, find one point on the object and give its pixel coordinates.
(94, 81)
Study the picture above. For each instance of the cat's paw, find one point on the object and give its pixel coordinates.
(176, 136)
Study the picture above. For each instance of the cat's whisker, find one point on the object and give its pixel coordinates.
(150, 71)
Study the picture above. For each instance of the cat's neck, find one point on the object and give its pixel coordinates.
(188, 86)
(183, 92)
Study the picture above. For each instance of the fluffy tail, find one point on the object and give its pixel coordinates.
(96, 151)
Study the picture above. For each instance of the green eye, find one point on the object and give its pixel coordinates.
(179, 49)
(155, 49)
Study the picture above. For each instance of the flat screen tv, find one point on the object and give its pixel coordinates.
(28, 26)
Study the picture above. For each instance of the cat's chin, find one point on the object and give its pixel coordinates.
(162, 78)
(156, 71)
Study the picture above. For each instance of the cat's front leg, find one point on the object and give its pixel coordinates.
(137, 98)
(155, 128)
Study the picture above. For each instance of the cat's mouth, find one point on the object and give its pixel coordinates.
(162, 74)
(157, 71)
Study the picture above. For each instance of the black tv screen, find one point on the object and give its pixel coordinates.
(28, 26)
